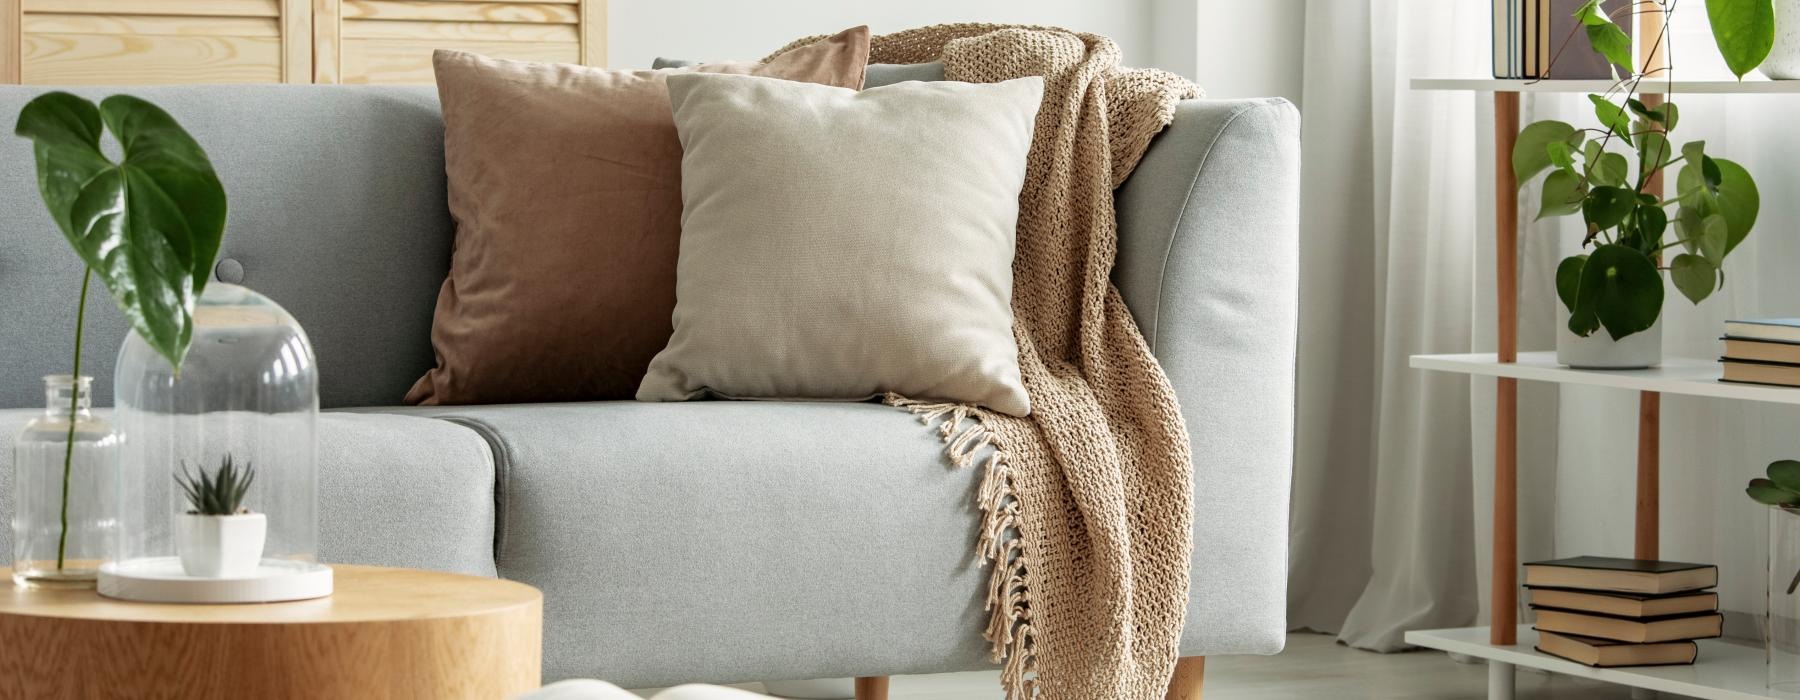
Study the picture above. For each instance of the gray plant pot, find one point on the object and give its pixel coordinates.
(1599, 351)
(1783, 62)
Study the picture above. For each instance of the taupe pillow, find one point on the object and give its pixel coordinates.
(839, 244)
(565, 183)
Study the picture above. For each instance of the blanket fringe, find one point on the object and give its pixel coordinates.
(965, 434)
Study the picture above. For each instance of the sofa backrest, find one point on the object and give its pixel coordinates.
(337, 213)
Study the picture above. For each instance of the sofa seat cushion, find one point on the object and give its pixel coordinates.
(721, 541)
(393, 491)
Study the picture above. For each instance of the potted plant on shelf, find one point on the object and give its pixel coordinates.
(1781, 491)
(1615, 284)
(218, 537)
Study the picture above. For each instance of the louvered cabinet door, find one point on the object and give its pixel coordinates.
(391, 41)
(143, 42)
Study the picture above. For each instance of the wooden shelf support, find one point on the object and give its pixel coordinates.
(1503, 606)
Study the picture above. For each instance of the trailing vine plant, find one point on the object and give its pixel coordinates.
(1604, 174)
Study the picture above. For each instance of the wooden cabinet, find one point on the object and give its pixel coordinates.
(136, 42)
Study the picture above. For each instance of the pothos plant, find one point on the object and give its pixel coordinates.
(1605, 173)
(148, 225)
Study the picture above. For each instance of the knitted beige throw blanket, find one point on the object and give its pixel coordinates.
(1087, 502)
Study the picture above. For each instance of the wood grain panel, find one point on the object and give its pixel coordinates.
(459, 31)
(296, 41)
(52, 59)
(151, 25)
(213, 8)
(11, 49)
(460, 11)
(409, 60)
(593, 33)
(327, 53)
(386, 633)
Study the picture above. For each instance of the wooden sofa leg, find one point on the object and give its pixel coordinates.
(1190, 673)
(872, 688)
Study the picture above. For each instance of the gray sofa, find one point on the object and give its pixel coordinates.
(706, 541)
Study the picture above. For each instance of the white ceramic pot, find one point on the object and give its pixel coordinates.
(1783, 62)
(822, 689)
(1599, 351)
(220, 546)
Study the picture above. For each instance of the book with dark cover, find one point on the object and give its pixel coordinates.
(1754, 372)
(1632, 605)
(1605, 653)
(1779, 329)
(1636, 631)
(1623, 575)
(1778, 351)
(1577, 59)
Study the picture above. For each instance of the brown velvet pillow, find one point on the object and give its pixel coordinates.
(565, 184)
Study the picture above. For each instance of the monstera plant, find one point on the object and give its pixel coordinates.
(147, 224)
(1603, 173)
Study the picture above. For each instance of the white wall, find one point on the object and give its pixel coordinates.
(1232, 48)
(638, 31)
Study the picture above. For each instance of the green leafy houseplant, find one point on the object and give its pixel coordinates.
(1782, 490)
(1616, 283)
(219, 493)
(149, 224)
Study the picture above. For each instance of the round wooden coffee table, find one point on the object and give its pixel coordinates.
(384, 633)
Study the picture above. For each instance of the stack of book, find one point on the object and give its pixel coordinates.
(1529, 35)
(1762, 351)
(1606, 612)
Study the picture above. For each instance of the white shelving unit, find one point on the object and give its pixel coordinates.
(1677, 375)
(1747, 86)
(1727, 670)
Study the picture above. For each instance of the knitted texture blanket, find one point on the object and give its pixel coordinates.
(1087, 502)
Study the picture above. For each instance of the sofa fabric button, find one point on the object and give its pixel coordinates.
(228, 271)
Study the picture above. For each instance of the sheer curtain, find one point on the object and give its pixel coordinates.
(1393, 474)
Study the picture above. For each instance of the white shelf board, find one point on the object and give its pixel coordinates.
(1677, 375)
(1725, 670)
(1749, 86)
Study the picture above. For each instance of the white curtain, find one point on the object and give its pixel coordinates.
(1393, 473)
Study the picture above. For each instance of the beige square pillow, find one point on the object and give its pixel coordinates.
(565, 183)
(838, 244)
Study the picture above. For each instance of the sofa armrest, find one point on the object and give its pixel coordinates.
(1209, 266)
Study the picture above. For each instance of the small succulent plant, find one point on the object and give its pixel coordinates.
(219, 493)
(1781, 489)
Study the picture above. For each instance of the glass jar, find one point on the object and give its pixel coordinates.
(63, 489)
(1782, 633)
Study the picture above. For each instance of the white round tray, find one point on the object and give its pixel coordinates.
(161, 580)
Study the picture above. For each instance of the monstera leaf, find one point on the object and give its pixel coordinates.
(148, 225)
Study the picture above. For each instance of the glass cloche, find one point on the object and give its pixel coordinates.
(218, 463)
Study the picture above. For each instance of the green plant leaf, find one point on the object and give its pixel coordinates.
(1563, 194)
(1612, 118)
(1671, 115)
(1561, 155)
(1610, 169)
(1786, 474)
(1622, 288)
(1744, 31)
(1688, 228)
(1605, 207)
(1714, 236)
(1649, 221)
(1654, 151)
(1568, 279)
(1590, 14)
(1693, 276)
(1768, 493)
(1738, 200)
(1612, 42)
(148, 225)
(1531, 152)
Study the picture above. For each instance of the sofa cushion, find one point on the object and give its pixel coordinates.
(879, 73)
(564, 181)
(828, 253)
(721, 541)
(393, 491)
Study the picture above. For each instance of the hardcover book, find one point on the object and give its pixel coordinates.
(1752, 372)
(1633, 605)
(1641, 631)
(1622, 575)
(1761, 351)
(1786, 330)
(1606, 653)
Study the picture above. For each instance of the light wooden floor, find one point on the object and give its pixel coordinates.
(1313, 666)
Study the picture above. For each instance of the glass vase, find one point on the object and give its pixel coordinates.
(1782, 632)
(64, 485)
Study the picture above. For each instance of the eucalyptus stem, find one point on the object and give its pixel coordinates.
(62, 540)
